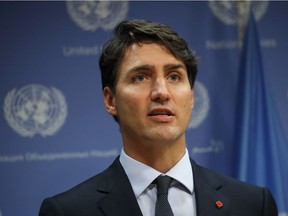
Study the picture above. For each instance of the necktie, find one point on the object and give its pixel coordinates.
(163, 207)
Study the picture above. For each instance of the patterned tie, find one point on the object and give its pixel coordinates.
(163, 207)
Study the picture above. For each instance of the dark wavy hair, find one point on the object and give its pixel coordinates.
(129, 32)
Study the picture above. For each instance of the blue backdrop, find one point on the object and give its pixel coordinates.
(55, 132)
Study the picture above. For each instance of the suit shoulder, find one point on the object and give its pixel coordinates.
(90, 190)
(242, 196)
(216, 179)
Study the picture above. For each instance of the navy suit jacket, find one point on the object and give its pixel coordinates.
(110, 193)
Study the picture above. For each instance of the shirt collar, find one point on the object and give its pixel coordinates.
(183, 173)
(141, 175)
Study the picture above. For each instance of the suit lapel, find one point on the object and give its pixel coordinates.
(120, 199)
(209, 198)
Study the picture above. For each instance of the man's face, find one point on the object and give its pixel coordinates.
(153, 99)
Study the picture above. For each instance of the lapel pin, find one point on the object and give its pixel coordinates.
(219, 204)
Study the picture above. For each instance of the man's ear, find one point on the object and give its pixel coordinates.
(109, 101)
(192, 99)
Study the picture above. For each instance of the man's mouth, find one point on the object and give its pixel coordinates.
(160, 111)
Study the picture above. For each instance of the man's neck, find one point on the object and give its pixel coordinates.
(158, 156)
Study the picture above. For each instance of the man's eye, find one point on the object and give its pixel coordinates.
(175, 77)
(139, 78)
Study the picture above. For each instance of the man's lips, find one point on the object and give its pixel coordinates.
(161, 115)
(160, 111)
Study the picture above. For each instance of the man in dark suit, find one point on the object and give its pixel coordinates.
(148, 74)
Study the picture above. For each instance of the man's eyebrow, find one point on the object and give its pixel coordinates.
(141, 68)
(147, 67)
(174, 66)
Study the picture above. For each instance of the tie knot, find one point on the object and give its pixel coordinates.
(163, 183)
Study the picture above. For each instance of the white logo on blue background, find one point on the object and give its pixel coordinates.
(91, 15)
(35, 109)
(283, 214)
(201, 105)
(235, 12)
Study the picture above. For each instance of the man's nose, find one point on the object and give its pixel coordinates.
(159, 90)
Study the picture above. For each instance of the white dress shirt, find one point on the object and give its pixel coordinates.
(181, 195)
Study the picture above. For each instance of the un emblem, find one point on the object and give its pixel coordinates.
(235, 12)
(91, 15)
(35, 109)
(201, 105)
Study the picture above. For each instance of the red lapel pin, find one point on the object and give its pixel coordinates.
(219, 204)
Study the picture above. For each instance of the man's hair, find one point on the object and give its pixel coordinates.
(130, 32)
